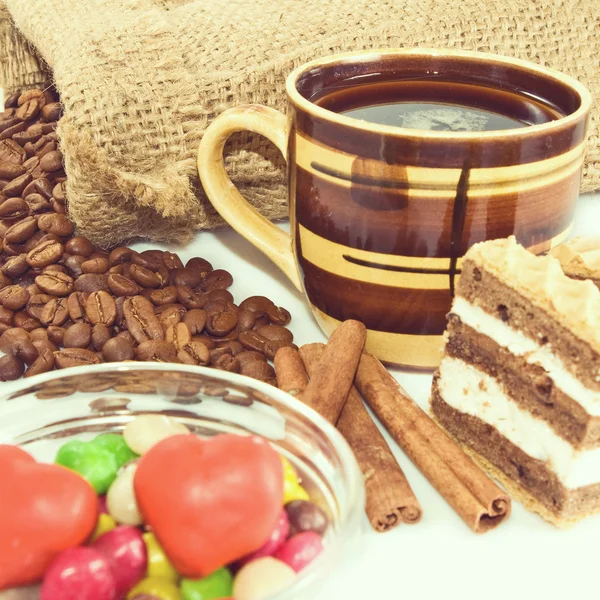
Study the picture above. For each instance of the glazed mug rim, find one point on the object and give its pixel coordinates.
(365, 56)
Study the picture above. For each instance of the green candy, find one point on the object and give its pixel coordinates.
(93, 462)
(217, 585)
(116, 445)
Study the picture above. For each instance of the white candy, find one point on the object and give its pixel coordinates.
(261, 578)
(120, 498)
(147, 430)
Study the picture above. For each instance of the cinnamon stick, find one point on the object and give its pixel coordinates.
(289, 370)
(330, 384)
(390, 499)
(477, 499)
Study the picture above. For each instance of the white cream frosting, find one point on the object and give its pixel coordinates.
(470, 391)
(533, 352)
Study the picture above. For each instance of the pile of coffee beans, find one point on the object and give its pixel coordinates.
(65, 302)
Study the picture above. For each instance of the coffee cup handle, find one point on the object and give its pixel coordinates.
(225, 197)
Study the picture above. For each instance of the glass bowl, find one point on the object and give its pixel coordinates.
(42, 413)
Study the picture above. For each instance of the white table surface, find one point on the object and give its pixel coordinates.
(439, 557)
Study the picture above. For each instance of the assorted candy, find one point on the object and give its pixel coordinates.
(156, 514)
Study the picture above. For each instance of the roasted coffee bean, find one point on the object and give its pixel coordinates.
(170, 317)
(100, 335)
(194, 353)
(55, 312)
(141, 321)
(9, 132)
(125, 335)
(91, 282)
(227, 363)
(171, 260)
(44, 146)
(15, 266)
(156, 350)
(248, 356)
(17, 185)
(12, 249)
(144, 277)
(206, 340)
(230, 337)
(36, 304)
(17, 342)
(13, 209)
(151, 259)
(11, 171)
(120, 255)
(41, 186)
(78, 335)
(55, 284)
(11, 152)
(6, 316)
(29, 110)
(32, 165)
(14, 297)
(73, 264)
(12, 100)
(57, 224)
(221, 318)
(199, 264)
(42, 364)
(11, 368)
(95, 265)
(258, 369)
(37, 335)
(44, 254)
(79, 245)
(252, 341)
(187, 277)
(33, 94)
(257, 304)
(75, 357)
(245, 320)
(216, 353)
(278, 315)
(23, 320)
(76, 305)
(4, 281)
(234, 346)
(218, 279)
(120, 285)
(118, 349)
(21, 231)
(195, 320)
(275, 333)
(179, 335)
(189, 298)
(55, 268)
(167, 295)
(59, 193)
(37, 204)
(52, 111)
(100, 308)
(56, 334)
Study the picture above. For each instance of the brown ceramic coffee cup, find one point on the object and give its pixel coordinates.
(381, 213)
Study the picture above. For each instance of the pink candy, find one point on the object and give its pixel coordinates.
(300, 550)
(107, 570)
(79, 574)
(125, 550)
(275, 541)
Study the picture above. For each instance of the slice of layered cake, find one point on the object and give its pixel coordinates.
(519, 382)
(580, 258)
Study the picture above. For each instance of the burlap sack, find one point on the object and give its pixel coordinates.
(141, 79)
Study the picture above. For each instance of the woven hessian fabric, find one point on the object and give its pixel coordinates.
(141, 80)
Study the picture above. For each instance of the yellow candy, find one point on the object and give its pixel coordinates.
(292, 490)
(158, 563)
(156, 586)
(105, 524)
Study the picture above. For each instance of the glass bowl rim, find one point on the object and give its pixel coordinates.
(354, 482)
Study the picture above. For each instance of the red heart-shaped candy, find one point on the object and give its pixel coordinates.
(44, 509)
(210, 502)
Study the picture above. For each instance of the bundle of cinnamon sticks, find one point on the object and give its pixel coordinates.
(326, 378)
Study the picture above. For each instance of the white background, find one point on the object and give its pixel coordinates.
(439, 557)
